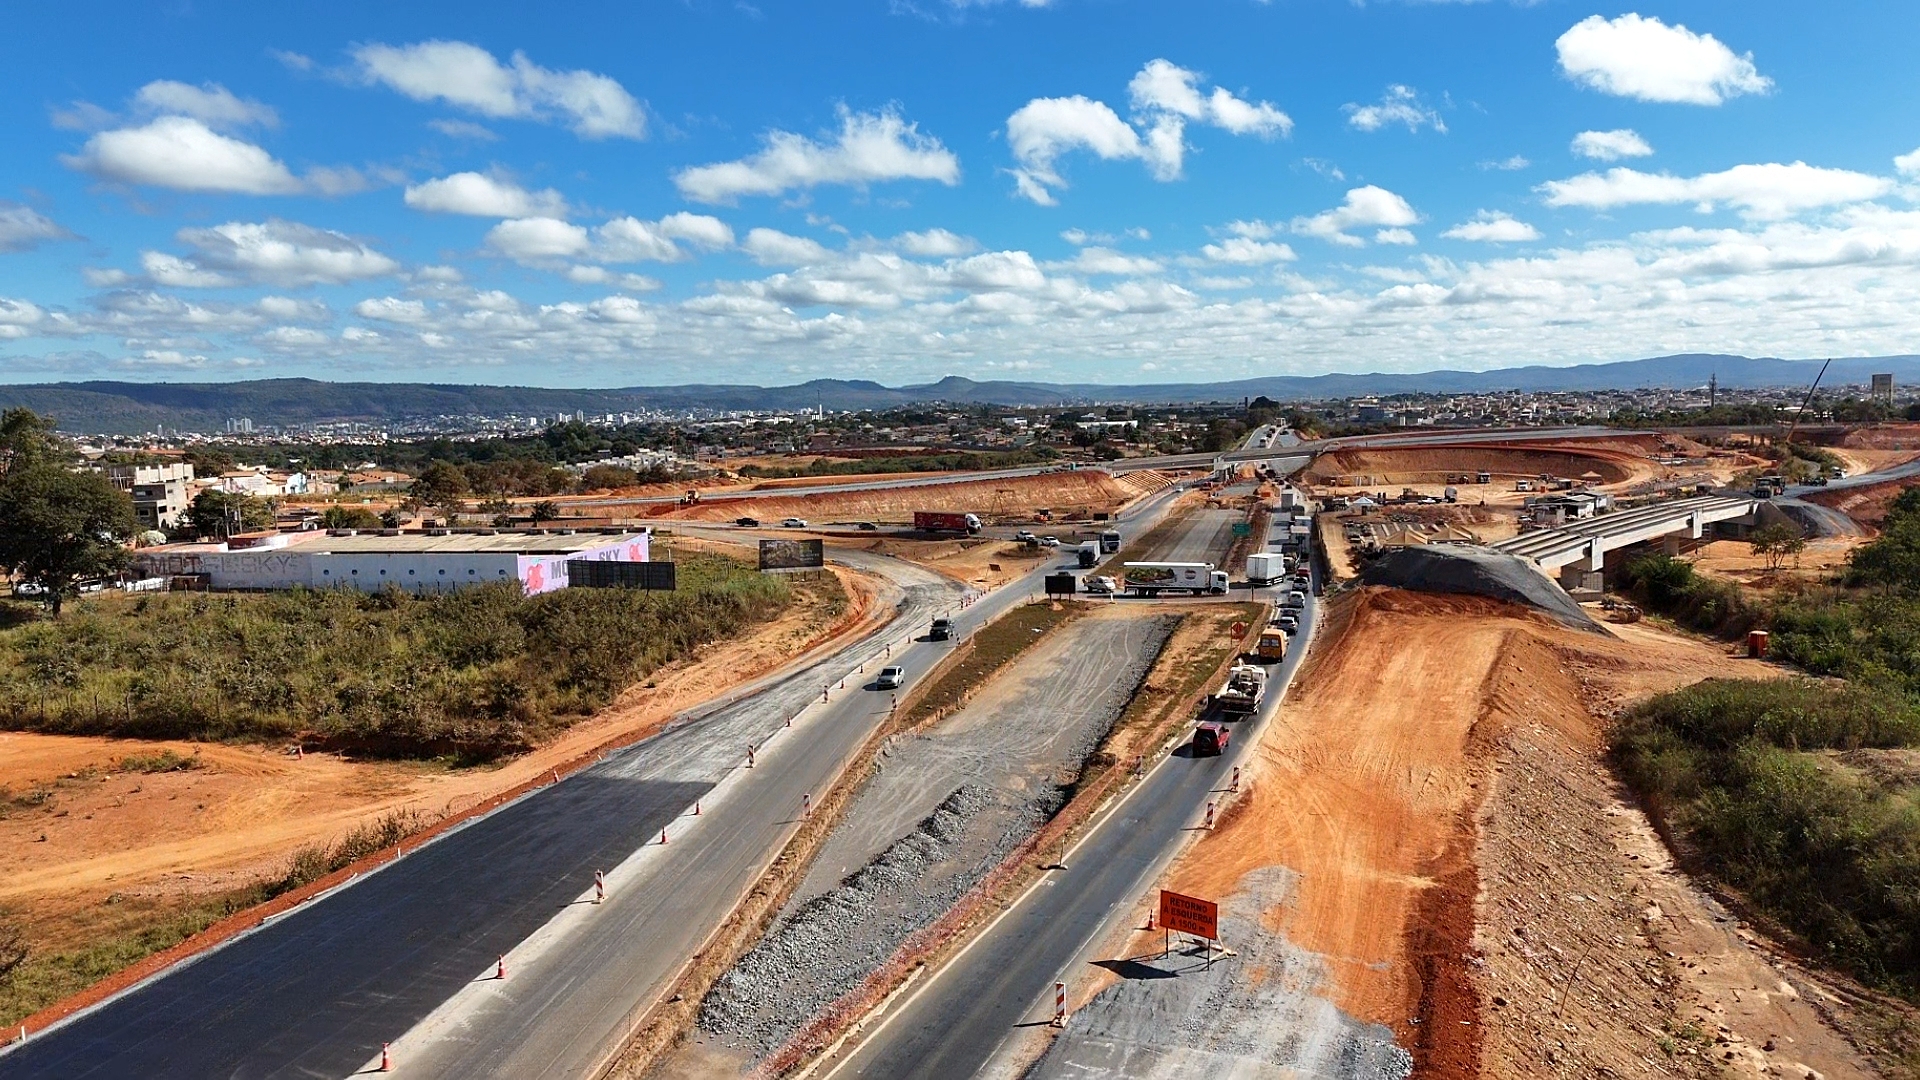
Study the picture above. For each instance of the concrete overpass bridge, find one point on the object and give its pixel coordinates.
(1582, 546)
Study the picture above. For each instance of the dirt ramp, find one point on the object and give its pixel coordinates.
(1615, 461)
(1476, 571)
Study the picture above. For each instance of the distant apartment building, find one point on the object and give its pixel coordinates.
(161, 493)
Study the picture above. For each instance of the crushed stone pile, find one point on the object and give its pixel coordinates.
(1475, 571)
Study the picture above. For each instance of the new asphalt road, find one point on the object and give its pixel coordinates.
(318, 991)
(958, 1021)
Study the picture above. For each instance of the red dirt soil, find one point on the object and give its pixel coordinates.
(1087, 491)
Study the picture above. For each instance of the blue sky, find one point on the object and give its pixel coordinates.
(1077, 190)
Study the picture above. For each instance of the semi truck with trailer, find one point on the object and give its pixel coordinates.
(1153, 578)
(1246, 684)
(943, 521)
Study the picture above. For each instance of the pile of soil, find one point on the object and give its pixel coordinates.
(1615, 461)
(1447, 568)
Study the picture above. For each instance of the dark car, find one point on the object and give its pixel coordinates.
(1210, 738)
(746, 522)
(941, 630)
(867, 526)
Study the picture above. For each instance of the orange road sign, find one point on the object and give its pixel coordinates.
(1189, 915)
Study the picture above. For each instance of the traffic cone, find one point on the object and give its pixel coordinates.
(663, 836)
(386, 1057)
(500, 970)
(1209, 815)
(806, 804)
(599, 886)
(696, 808)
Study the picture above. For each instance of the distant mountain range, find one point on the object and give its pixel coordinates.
(127, 408)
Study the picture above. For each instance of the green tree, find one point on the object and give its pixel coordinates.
(607, 477)
(442, 485)
(544, 510)
(26, 437)
(1776, 542)
(59, 527)
(1892, 561)
(349, 517)
(223, 513)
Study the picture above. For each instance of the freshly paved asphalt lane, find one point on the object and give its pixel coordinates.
(955, 1024)
(316, 993)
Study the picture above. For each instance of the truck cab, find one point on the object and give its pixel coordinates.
(1218, 582)
(1110, 541)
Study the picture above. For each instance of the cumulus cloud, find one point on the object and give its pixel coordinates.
(1611, 145)
(18, 318)
(1164, 98)
(1757, 191)
(870, 148)
(481, 195)
(210, 103)
(538, 240)
(270, 252)
(1493, 227)
(23, 228)
(935, 244)
(771, 247)
(1399, 105)
(182, 153)
(1510, 164)
(1908, 164)
(1102, 261)
(1247, 251)
(392, 309)
(592, 105)
(1641, 57)
(1364, 207)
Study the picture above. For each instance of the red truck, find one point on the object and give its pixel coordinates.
(1210, 738)
(942, 521)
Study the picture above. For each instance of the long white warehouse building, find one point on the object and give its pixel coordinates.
(415, 562)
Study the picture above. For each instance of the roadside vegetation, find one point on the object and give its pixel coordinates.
(904, 463)
(472, 675)
(1801, 794)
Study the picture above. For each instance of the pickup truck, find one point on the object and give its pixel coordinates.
(1101, 585)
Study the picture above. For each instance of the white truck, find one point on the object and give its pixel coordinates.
(1153, 578)
(1246, 685)
(1265, 567)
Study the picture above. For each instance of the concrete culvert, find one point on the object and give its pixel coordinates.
(1478, 572)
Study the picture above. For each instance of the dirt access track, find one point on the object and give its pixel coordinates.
(1077, 493)
(171, 838)
(1430, 824)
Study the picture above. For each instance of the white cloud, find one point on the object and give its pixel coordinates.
(484, 196)
(270, 252)
(1102, 261)
(1399, 105)
(1908, 164)
(700, 229)
(935, 244)
(1403, 237)
(182, 153)
(1493, 227)
(463, 129)
(336, 180)
(1611, 145)
(177, 273)
(870, 148)
(18, 318)
(209, 103)
(1758, 191)
(625, 239)
(443, 275)
(600, 275)
(106, 277)
(1363, 207)
(1644, 58)
(771, 247)
(1165, 98)
(23, 228)
(1511, 164)
(1247, 251)
(392, 309)
(538, 238)
(466, 76)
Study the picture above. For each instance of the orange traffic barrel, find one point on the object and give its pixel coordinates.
(1757, 644)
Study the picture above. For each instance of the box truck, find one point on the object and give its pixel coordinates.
(1265, 567)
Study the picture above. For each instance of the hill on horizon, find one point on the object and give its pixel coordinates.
(108, 407)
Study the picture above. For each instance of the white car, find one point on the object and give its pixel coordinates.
(1050, 541)
(794, 523)
(891, 678)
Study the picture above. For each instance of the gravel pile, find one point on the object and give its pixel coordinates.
(1450, 568)
(823, 949)
(1251, 1014)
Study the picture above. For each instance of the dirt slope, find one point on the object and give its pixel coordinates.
(1086, 491)
(1429, 785)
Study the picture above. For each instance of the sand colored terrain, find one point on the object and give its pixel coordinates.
(1735, 561)
(982, 563)
(1892, 436)
(1615, 460)
(1078, 493)
(241, 813)
(1383, 784)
